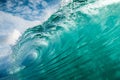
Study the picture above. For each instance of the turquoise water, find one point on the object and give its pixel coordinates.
(81, 41)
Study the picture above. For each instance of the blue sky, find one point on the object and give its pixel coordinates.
(28, 9)
(18, 15)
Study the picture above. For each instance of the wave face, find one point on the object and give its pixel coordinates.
(81, 41)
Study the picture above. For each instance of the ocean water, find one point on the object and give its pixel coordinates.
(81, 41)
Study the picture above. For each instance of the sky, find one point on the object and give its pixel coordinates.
(18, 15)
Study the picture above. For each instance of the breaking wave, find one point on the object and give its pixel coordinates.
(79, 42)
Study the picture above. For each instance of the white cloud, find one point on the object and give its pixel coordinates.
(44, 3)
(8, 21)
(11, 27)
(30, 10)
(13, 37)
